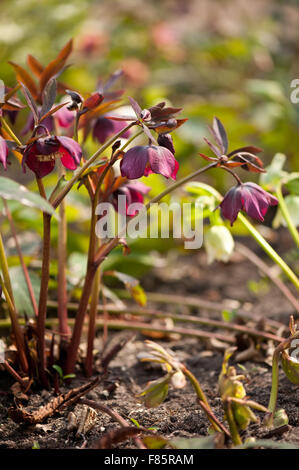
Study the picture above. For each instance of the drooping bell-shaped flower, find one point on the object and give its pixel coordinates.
(145, 159)
(133, 192)
(41, 155)
(247, 197)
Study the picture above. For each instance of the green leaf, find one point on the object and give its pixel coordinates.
(292, 184)
(155, 392)
(228, 315)
(155, 442)
(134, 421)
(11, 190)
(20, 289)
(202, 189)
(58, 370)
(194, 442)
(274, 172)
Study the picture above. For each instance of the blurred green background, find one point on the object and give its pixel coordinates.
(231, 58)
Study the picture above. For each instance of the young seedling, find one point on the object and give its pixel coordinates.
(286, 352)
(238, 408)
(156, 391)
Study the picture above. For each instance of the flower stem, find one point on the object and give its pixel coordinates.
(269, 250)
(62, 258)
(232, 423)
(80, 171)
(286, 215)
(43, 297)
(10, 132)
(4, 269)
(104, 250)
(275, 376)
(19, 338)
(200, 395)
(92, 322)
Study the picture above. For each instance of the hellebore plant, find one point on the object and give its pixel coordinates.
(61, 145)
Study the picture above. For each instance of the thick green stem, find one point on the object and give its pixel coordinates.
(10, 132)
(4, 269)
(232, 423)
(92, 322)
(19, 338)
(286, 215)
(201, 396)
(269, 250)
(275, 376)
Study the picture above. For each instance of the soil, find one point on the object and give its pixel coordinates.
(180, 414)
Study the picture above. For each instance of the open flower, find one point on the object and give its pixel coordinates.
(3, 152)
(133, 192)
(145, 159)
(248, 197)
(40, 156)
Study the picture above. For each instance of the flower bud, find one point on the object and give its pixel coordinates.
(280, 418)
(290, 367)
(219, 243)
(178, 380)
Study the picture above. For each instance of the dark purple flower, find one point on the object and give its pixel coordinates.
(40, 156)
(105, 128)
(165, 140)
(133, 192)
(247, 197)
(3, 152)
(145, 159)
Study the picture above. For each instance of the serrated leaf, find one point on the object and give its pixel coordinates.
(13, 191)
(20, 290)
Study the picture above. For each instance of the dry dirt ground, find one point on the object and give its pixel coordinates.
(179, 415)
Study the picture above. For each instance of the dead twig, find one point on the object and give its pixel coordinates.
(21, 415)
(115, 416)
